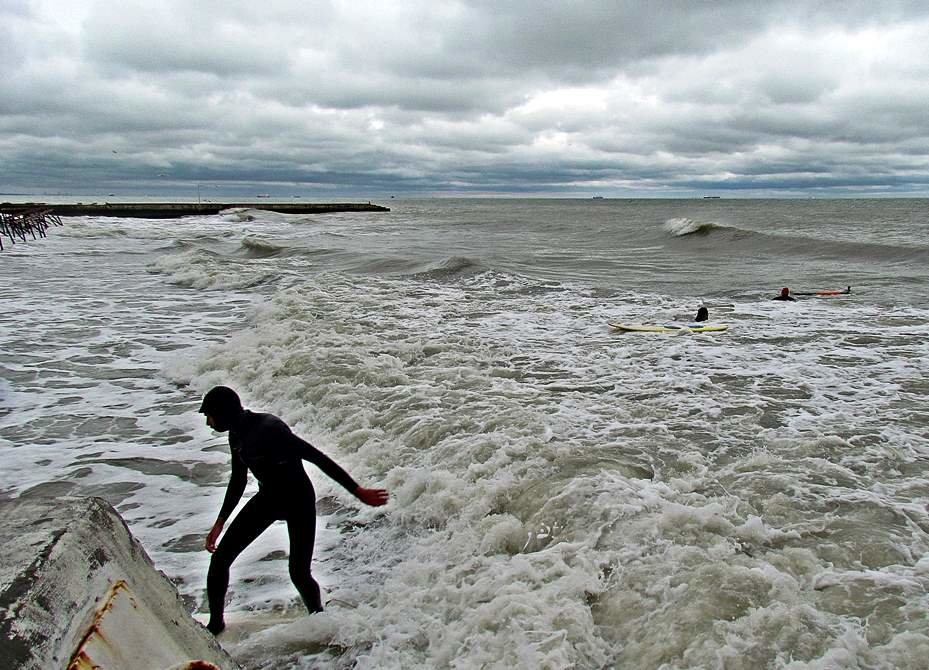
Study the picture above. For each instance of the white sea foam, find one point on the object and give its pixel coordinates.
(450, 405)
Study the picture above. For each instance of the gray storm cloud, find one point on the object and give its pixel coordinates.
(366, 98)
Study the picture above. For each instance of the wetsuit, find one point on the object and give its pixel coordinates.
(265, 445)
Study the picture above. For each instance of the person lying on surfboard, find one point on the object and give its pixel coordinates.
(827, 293)
(785, 295)
(265, 445)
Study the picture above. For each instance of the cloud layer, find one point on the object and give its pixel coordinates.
(429, 98)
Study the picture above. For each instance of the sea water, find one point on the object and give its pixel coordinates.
(562, 495)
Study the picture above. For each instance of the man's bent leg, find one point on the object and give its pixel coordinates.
(247, 525)
(301, 528)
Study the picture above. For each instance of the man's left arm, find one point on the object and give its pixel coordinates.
(306, 451)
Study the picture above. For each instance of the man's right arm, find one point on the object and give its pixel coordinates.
(234, 491)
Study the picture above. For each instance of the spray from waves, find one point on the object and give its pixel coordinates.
(237, 214)
(683, 226)
(246, 214)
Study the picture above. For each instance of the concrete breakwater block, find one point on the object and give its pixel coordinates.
(77, 591)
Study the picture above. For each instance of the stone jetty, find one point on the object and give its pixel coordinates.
(147, 210)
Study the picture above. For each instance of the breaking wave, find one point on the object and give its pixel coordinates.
(733, 238)
(684, 226)
(255, 248)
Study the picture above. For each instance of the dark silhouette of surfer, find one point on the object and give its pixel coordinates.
(265, 445)
(702, 314)
(785, 295)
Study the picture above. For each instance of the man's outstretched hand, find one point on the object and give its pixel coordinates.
(373, 497)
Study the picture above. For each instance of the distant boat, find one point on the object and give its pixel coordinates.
(711, 197)
(263, 195)
(598, 197)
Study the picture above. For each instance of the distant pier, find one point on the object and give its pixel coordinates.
(176, 210)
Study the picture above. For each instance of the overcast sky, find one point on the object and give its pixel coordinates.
(429, 97)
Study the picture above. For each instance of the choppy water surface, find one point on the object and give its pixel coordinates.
(562, 496)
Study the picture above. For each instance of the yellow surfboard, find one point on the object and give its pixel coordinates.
(669, 328)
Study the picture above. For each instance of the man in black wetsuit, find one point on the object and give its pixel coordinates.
(265, 445)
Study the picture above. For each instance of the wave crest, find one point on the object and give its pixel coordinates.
(256, 248)
(683, 226)
(453, 266)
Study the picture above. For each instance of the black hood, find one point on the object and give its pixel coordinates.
(223, 405)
